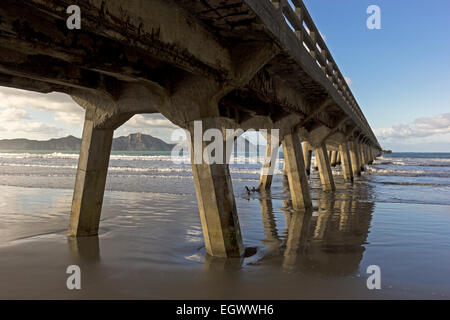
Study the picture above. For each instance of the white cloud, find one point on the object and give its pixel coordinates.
(349, 81)
(7, 115)
(419, 128)
(16, 106)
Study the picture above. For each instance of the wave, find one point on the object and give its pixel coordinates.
(134, 169)
(417, 162)
(240, 159)
(407, 173)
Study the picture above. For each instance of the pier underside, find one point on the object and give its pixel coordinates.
(228, 66)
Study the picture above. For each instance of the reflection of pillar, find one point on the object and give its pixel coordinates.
(218, 214)
(325, 212)
(344, 221)
(297, 236)
(326, 175)
(297, 178)
(307, 154)
(270, 227)
(86, 249)
(346, 164)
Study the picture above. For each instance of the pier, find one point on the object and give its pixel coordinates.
(249, 64)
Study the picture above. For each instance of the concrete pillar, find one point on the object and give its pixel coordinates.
(346, 162)
(333, 158)
(307, 154)
(326, 176)
(295, 167)
(316, 162)
(354, 158)
(90, 179)
(268, 167)
(361, 156)
(216, 203)
(338, 158)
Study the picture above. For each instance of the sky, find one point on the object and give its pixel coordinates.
(399, 74)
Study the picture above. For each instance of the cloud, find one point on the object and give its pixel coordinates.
(149, 121)
(60, 108)
(7, 115)
(154, 124)
(419, 128)
(349, 81)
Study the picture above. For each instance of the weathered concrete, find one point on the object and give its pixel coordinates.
(295, 167)
(92, 169)
(217, 206)
(307, 154)
(333, 158)
(326, 175)
(346, 164)
(316, 161)
(268, 167)
(354, 158)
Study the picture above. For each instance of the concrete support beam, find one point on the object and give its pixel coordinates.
(268, 167)
(295, 167)
(216, 204)
(334, 158)
(354, 158)
(346, 162)
(338, 158)
(307, 154)
(326, 176)
(316, 161)
(361, 156)
(90, 179)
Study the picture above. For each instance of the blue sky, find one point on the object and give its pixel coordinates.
(401, 73)
(400, 76)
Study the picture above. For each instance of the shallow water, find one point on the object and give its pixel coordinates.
(151, 244)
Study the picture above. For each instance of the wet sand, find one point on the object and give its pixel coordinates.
(150, 246)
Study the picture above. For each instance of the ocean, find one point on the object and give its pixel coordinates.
(395, 216)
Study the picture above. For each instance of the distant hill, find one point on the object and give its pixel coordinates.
(133, 142)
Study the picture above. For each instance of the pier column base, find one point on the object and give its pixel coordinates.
(295, 167)
(326, 175)
(345, 162)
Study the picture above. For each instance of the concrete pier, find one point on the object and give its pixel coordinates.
(268, 167)
(217, 206)
(333, 158)
(171, 58)
(307, 154)
(92, 170)
(295, 167)
(354, 159)
(326, 175)
(346, 163)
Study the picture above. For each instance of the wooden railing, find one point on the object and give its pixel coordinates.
(300, 21)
